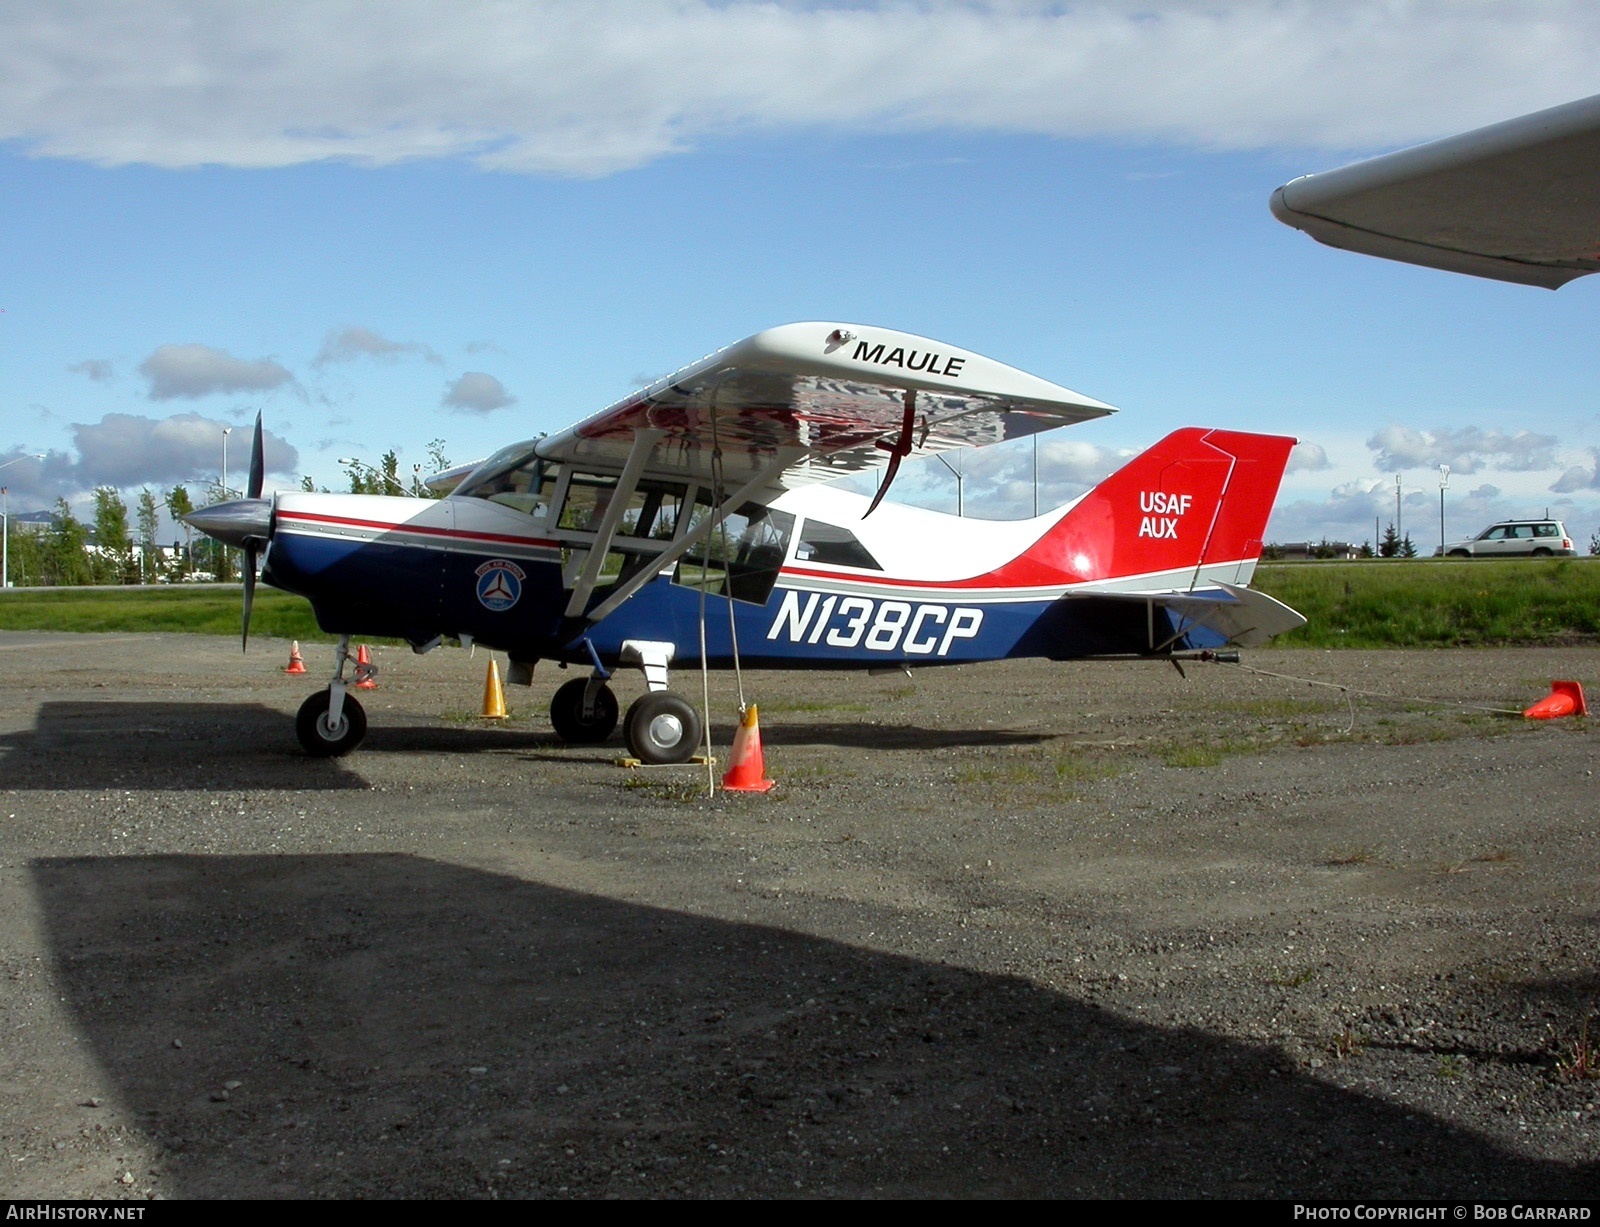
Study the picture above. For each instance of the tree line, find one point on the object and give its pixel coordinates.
(111, 548)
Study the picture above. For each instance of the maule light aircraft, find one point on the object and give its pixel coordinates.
(603, 545)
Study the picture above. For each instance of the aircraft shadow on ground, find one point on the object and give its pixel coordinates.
(385, 1025)
(543, 744)
(875, 736)
(178, 746)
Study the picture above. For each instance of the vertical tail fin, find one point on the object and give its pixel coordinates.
(1190, 511)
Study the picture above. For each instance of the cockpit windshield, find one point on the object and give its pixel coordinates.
(514, 477)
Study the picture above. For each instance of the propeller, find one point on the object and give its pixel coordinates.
(252, 546)
(244, 523)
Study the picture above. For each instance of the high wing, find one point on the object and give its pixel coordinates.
(814, 401)
(1517, 201)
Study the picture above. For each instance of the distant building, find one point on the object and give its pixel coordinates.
(33, 521)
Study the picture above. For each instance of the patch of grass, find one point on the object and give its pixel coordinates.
(1084, 769)
(1347, 1044)
(1582, 1059)
(1445, 602)
(821, 772)
(201, 609)
(815, 706)
(1293, 979)
(1450, 1065)
(1021, 772)
(1354, 856)
(1036, 779)
(1277, 709)
(681, 789)
(1205, 754)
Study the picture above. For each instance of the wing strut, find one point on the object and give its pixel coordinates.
(644, 442)
(898, 450)
(782, 459)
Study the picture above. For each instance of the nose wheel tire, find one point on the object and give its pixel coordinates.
(571, 725)
(319, 737)
(662, 727)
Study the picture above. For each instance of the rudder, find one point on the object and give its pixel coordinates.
(1197, 499)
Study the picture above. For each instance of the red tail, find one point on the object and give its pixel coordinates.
(1198, 497)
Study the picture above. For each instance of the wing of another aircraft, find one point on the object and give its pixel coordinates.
(1517, 201)
(835, 398)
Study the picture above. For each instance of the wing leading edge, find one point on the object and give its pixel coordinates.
(836, 398)
(1517, 201)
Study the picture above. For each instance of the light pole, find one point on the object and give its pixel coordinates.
(389, 484)
(960, 480)
(1444, 480)
(5, 521)
(1399, 534)
(226, 431)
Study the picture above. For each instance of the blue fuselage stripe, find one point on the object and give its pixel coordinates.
(415, 593)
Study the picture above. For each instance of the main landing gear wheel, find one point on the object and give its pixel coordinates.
(324, 740)
(571, 725)
(662, 727)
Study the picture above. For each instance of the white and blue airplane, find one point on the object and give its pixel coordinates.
(603, 545)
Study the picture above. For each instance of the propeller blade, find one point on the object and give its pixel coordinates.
(257, 463)
(250, 552)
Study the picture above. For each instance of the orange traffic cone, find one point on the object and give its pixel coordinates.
(494, 695)
(748, 772)
(297, 662)
(1564, 699)
(364, 670)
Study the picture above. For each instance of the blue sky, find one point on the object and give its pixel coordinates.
(382, 226)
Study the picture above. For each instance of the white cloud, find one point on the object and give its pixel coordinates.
(1466, 449)
(570, 88)
(476, 392)
(348, 344)
(1578, 478)
(98, 369)
(127, 450)
(1308, 458)
(193, 371)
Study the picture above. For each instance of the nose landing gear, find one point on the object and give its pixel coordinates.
(331, 723)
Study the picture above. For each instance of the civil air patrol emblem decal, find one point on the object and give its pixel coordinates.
(499, 584)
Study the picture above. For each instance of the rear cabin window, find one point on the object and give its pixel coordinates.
(833, 546)
(743, 555)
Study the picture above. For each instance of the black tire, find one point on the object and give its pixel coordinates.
(566, 714)
(321, 741)
(1541, 552)
(662, 727)
(1459, 554)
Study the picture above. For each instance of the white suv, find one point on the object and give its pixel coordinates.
(1516, 538)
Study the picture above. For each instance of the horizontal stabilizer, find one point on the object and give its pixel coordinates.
(1243, 617)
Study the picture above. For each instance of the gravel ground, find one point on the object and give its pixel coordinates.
(1006, 930)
